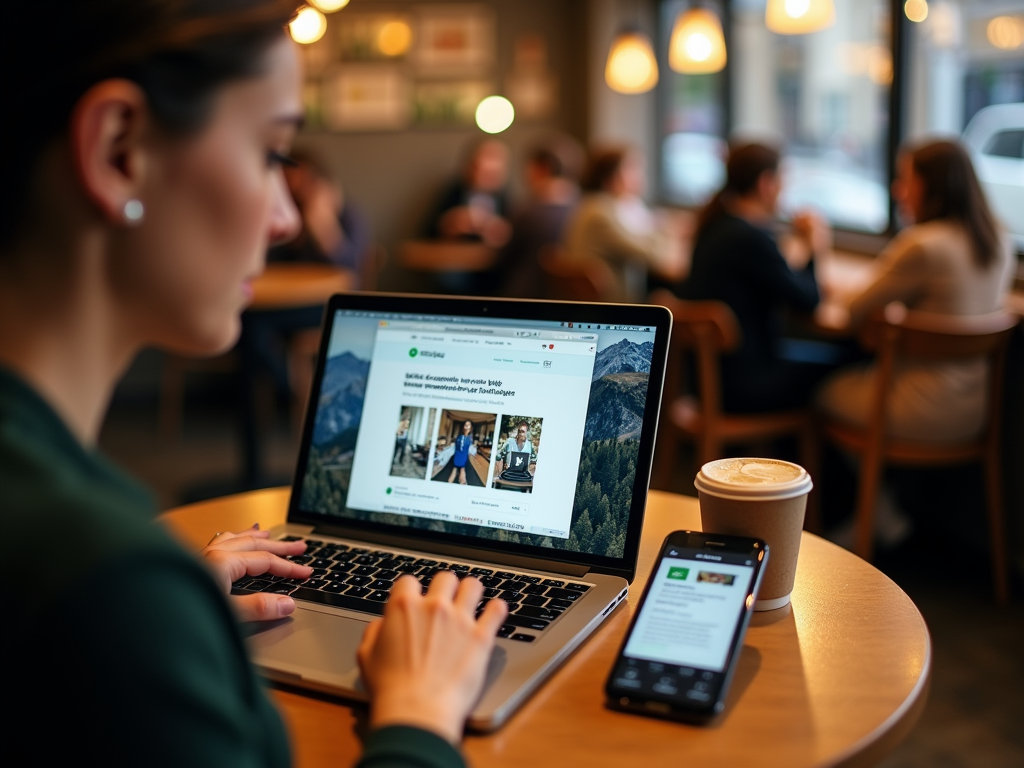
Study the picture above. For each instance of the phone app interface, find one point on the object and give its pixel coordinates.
(692, 609)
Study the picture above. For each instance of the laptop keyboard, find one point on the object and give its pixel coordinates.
(360, 579)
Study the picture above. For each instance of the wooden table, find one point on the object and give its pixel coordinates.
(838, 679)
(287, 285)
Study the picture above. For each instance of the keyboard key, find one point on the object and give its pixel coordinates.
(534, 600)
(342, 567)
(505, 630)
(490, 581)
(525, 622)
(505, 575)
(485, 572)
(319, 573)
(300, 559)
(388, 563)
(559, 605)
(387, 574)
(243, 582)
(510, 596)
(405, 558)
(337, 576)
(364, 570)
(381, 553)
(564, 594)
(530, 579)
(490, 593)
(344, 557)
(523, 638)
(316, 583)
(359, 581)
(553, 583)
(424, 562)
(359, 550)
(537, 613)
(367, 560)
(408, 568)
(335, 586)
(379, 596)
(314, 543)
(259, 585)
(459, 568)
(291, 538)
(280, 589)
(347, 600)
(512, 584)
(578, 587)
(535, 589)
(358, 592)
(382, 584)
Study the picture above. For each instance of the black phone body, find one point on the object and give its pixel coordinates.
(682, 646)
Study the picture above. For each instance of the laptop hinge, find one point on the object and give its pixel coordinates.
(455, 550)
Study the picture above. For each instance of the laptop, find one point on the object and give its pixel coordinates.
(518, 464)
(450, 372)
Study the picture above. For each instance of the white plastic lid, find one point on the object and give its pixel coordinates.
(753, 478)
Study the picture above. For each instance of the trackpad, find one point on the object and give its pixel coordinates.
(312, 645)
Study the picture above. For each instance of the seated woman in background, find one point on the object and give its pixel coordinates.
(136, 212)
(737, 261)
(952, 260)
(475, 206)
(613, 227)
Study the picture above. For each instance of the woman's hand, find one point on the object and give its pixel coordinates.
(230, 556)
(424, 663)
(814, 231)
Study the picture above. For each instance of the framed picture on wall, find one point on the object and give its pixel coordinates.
(449, 103)
(454, 41)
(365, 97)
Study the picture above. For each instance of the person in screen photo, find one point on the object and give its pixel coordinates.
(517, 459)
(463, 451)
(412, 442)
(401, 439)
(463, 444)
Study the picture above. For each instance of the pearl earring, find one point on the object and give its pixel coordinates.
(133, 211)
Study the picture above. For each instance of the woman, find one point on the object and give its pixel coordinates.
(737, 261)
(952, 260)
(613, 228)
(463, 445)
(136, 210)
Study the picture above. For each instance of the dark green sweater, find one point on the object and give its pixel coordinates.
(117, 644)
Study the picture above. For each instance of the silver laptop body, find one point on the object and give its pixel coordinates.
(378, 451)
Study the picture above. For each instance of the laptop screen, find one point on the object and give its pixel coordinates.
(522, 431)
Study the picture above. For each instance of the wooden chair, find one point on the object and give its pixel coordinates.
(897, 334)
(708, 329)
(570, 281)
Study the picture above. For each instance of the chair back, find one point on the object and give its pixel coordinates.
(573, 281)
(898, 334)
(707, 329)
(446, 256)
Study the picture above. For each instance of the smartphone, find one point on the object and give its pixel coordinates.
(682, 647)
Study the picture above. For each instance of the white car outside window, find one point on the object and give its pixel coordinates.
(995, 139)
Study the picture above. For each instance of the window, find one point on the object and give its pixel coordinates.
(827, 99)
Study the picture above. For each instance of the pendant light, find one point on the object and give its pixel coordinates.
(697, 46)
(631, 66)
(799, 17)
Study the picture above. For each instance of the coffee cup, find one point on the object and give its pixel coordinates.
(763, 499)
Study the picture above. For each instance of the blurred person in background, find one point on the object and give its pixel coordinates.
(333, 228)
(736, 260)
(952, 259)
(552, 174)
(136, 212)
(613, 228)
(475, 206)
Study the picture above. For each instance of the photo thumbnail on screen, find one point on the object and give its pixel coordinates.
(412, 441)
(462, 453)
(515, 464)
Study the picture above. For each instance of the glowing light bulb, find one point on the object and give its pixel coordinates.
(494, 114)
(394, 38)
(697, 45)
(329, 6)
(1006, 32)
(631, 66)
(799, 17)
(308, 26)
(916, 10)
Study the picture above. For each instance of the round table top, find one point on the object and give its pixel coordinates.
(837, 679)
(289, 285)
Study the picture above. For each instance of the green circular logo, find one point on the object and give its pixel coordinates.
(388, 491)
(413, 352)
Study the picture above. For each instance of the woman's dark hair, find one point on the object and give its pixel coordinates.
(602, 165)
(744, 168)
(178, 51)
(952, 191)
(560, 154)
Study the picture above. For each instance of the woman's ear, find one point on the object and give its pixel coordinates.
(107, 131)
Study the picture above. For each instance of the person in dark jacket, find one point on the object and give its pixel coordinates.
(736, 260)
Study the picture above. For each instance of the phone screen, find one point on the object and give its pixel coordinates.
(679, 648)
(692, 608)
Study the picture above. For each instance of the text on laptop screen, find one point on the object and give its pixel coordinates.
(515, 430)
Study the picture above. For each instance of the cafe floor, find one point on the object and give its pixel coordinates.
(976, 704)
